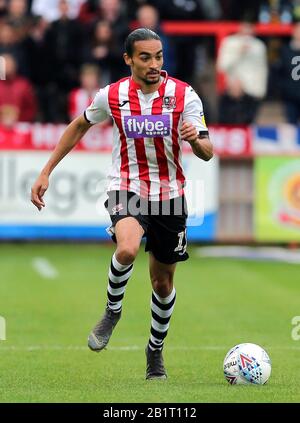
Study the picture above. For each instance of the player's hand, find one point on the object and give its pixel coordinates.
(38, 190)
(188, 132)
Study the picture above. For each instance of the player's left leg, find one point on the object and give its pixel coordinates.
(128, 230)
(162, 306)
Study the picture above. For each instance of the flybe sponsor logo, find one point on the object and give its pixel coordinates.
(142, 126)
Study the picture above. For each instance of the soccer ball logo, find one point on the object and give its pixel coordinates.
(247, 363)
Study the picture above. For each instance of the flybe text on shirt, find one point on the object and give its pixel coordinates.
(141, 126)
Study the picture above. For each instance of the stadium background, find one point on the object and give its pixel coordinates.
(56, 55)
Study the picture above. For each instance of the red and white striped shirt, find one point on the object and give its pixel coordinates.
(146, 155)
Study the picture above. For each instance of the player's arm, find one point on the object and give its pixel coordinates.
(200, 142)
(97, 112)
(194, 129)
(73, 133)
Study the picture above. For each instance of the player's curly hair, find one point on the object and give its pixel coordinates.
(140, 34)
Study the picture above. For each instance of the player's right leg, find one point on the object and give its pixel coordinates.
(128, 234)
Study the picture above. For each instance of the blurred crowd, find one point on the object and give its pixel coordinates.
(58, 53)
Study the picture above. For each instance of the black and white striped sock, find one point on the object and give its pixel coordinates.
(161, 310)
(117, 280)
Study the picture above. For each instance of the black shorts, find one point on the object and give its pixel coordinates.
(164, 223)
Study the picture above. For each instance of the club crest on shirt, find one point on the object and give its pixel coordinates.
(169, 102)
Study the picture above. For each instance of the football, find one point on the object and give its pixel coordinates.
(247, 364)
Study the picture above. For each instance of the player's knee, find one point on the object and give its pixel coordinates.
(162, 285)
(126, 254)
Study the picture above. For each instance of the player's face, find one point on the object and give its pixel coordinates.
(146, 61)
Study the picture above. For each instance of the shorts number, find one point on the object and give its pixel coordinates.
(181, 248)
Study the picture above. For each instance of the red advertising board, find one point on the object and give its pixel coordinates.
(227, 141)
(232, 141)
(37, 136)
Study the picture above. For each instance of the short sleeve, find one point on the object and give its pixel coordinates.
(193, 110)
(98, 110)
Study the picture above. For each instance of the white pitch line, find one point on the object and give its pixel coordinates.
(44, 268)
(277, 254)
(124, 348)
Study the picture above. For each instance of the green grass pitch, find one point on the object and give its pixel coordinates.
(220, 303)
